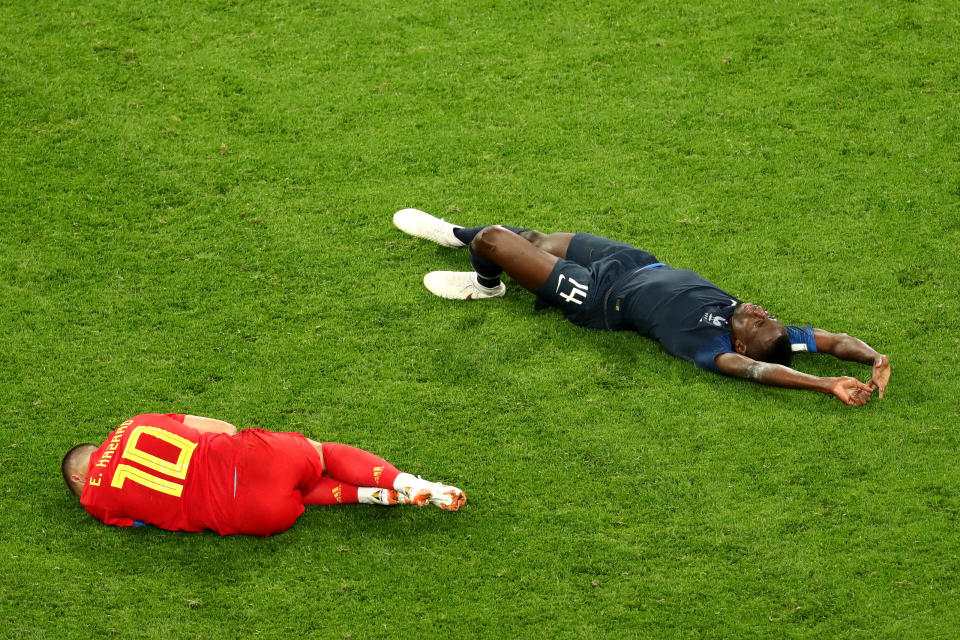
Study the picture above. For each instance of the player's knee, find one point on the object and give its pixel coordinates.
(535, 238)
(486, 241)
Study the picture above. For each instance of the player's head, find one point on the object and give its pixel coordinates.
(757, 334)
(75, 465)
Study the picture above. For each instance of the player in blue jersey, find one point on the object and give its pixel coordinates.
(605, 284)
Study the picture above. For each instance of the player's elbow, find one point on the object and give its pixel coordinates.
(219, 426)
(757, 371)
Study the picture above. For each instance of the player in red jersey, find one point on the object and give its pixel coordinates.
(188, 473)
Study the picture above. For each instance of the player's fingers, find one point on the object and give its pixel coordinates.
(853, 392)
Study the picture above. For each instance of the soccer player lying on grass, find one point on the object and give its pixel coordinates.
(187, 473)
(605, 284)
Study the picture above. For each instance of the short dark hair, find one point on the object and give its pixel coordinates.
(68, 459)
(780, 351)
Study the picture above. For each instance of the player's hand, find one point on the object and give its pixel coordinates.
(859, 397)
(881, 374)
(851, 391)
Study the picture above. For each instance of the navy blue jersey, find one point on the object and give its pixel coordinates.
(678, 308)
(605, 284)
(686, 313)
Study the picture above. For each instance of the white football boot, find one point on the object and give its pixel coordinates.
(423, 225)
(446, 497)
(460, 285)
(421, 492)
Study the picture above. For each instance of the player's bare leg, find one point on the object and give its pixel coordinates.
(526, 255)
(421, 224)
(493, 251)
(553, 243)
(521, 259)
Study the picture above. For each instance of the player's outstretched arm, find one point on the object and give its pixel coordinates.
(845, 347)
(209, 425)
(848, 390)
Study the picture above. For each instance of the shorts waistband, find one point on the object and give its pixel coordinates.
(648, 266)
(617, 283)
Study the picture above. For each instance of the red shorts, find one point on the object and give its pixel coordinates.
(273, 471)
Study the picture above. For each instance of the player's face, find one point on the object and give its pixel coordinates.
(753, 325)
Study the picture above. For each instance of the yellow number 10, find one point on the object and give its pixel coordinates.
(177, 469)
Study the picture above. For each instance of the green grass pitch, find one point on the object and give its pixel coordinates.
(195, 204)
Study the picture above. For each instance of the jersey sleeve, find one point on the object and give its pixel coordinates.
(103, 516)
(802, 338)
(706, 355)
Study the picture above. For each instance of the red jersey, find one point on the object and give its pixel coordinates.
(157, 470)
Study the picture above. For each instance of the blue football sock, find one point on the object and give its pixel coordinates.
(488, 273)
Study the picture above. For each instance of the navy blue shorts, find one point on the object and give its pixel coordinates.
(578, 286)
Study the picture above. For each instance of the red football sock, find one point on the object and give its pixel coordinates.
(331, 491)
(357, 466)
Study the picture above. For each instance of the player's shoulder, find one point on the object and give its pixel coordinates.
(706, 355)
